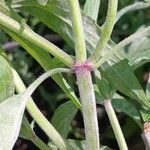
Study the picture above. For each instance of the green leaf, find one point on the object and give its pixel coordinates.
(27, 132)
(12, 109)
(6, 79)
(42, 2)
(105, 89)
(91, 8)
(3, 7)
(121, 104)
(63, 116)
(80, 145)
(139, 52)
(133, 7)
(121, 76)
(145, 115)
(140, 59)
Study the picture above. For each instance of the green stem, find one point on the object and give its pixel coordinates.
(40, 144)
(39, 117)
(115, 125)
(106, 32)
(133, 7)
(45, 125)
(146, 139)
(84, 80)
(142, 33)
(80, 46)
(88, 102)
(27, 33)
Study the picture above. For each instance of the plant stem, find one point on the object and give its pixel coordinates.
(45, 125)
(146, 135)
(82, 70)
(115, 125)
(23, 30)
(84, 80)
(40, 144)
(80, 46)
(87, 97)
(142, 33)
(38, 116)
(146, 139)
(133, 7)
(106, 32)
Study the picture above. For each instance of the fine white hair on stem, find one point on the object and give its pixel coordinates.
(142, 33)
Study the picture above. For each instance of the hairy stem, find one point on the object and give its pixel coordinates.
(133, 7)
(146, 139)
(38, 116)
(82, 70)
(80, 47)
(115, 125)
(146, 135)
(106, 32)
(139, 34)
(23, 30)
(87, 97)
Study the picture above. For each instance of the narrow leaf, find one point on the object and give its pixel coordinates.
(42, 2)
(80, 145)
(27, 132)
(122, 77)
(63, 116)
(139, 52)
(132, 7)
(126, 107)
(6, 80)
(91, 8)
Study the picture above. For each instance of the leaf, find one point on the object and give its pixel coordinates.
(12, 109)
(126, 107)
(11, 112)
(4, 7)
(63, 116)
(145, 115)
(139, 45)
(27, 132)
(121, 76)
(105, 89)
(44, 59)
(140, 59)
(42, 2)
(133, 7)
(6, 80)
(80, 145)
(139, 52)
(91, 8)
